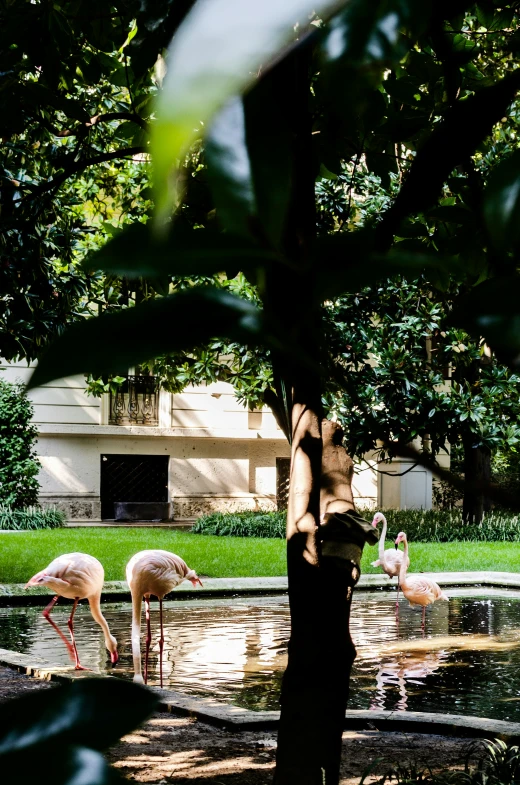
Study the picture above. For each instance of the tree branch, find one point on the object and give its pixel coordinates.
(72, 168)
(506, 498)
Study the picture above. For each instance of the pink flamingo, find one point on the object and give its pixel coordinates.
(390, 560)
(418, 589)
(152, 572)
(76, 576)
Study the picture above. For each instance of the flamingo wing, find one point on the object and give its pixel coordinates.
(420, 590)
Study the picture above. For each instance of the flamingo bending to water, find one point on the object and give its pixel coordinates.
(390, 560)
(154, 572)
(76, 576)
(418, 589)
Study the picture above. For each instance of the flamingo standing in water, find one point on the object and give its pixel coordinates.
(418, 589)
(390, 560)
(76, 576)
(154, 572)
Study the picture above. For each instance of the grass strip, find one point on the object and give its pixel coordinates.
(24, 553)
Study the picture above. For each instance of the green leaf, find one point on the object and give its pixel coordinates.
(366, 33)
(229, 169)
(214, 55)
(137, 252)
(492, 311)
(92, 712)
(59, 765)
(502, 203)
(269, 143)
(112, 343)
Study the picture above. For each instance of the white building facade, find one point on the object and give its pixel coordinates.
(197, 451)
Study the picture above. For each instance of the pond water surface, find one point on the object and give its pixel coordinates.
(235, 650)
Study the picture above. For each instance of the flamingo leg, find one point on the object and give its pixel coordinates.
(423, 618)
(148, 637)
(47, 615)
(397, 598)
(78, 666)
(161, 641)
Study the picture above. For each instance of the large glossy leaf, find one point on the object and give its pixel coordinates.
(492, 311)
(269, 144)
(247, 150)
(229, 169)
(454, 139)
(91, 712)
(114, 342)
(137, 252)
(502, 204)
(54, 764)
(369, 33)
(215, 55)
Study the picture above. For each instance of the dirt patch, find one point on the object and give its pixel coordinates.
(174, 750)
(183, 751)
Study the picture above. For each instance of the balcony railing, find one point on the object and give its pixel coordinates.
(136, 402)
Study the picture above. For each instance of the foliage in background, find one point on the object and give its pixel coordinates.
(31, 518)
(419, 525)
(67, 728)
(487, 763)
(242, 524)
(19, 469)
(73, 161)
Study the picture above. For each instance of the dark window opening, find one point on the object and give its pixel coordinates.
(283, 474)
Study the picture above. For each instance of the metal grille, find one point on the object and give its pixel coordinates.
(132, 478)
(136, 402)
(283, 478)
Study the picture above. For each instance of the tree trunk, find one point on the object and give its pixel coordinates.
(477, 474)
(323, 567)
(322, 560)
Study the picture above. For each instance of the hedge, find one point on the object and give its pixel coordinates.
(419, 525)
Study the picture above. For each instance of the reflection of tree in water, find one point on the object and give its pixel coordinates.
(17, 630)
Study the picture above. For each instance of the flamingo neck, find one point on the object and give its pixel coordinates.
(404, 563)
(95, 609)
(382, 539)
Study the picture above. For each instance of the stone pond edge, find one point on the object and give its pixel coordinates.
(237, 719)
(14, 593)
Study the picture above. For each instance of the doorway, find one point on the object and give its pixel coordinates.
(132, 478)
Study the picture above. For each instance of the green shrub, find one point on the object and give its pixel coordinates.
(419, 525)
(31, 518)
(19, 484)
(242, 524)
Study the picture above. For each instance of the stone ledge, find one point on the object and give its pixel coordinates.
(235, 718)
(227, 587)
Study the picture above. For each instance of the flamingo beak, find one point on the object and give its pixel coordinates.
(114, 657)
(397, 546)
(195, 581)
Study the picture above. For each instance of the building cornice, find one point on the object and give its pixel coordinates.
(121, 431)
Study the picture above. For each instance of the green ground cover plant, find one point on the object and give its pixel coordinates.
(30, 518)
(420, 525)
(24, 553)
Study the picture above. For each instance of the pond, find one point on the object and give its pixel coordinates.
(235, 650)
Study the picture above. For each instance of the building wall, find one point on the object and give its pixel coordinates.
(222, 456)
(204, 474)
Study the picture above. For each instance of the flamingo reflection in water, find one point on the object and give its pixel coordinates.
(401, 672)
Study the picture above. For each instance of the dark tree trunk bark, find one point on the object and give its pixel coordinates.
(323, 567)
(477, 474)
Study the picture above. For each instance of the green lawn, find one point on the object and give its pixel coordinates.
(24, 553)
